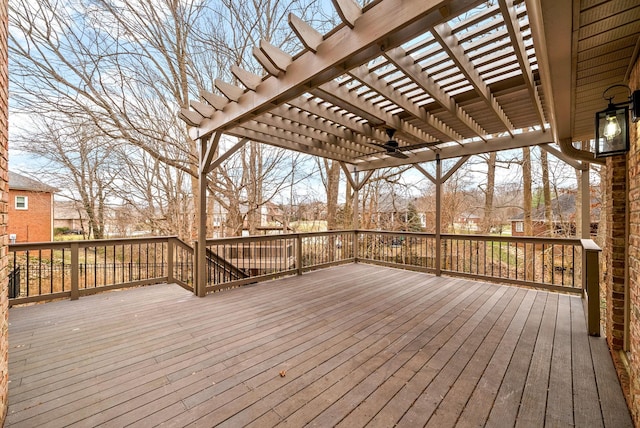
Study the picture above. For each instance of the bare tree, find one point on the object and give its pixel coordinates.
(126, 68)
(77, 160)
(527, 195)
(546, 192)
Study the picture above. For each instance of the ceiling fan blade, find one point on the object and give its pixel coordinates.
(397, 154)
(419, 146)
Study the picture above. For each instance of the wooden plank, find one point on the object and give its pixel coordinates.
(560, 395)
(614, 410)
(505, 407)
(189, 370)
(477, 408)
(460, 392)
(534, 397)
(434, 394)
(237, 377)
(585, 392)
(348, 401)
(109, 373)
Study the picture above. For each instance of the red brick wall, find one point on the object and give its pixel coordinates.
(615, 249)
(4, 138)
(634, 259)
(34, 223)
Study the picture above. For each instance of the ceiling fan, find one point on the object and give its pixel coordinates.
(392, 148)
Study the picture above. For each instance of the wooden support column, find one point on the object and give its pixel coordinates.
(586, 203)
(439, 180)
(201, 263)
(207, 153)
(438, 183)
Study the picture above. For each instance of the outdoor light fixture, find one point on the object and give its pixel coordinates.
(612, 124)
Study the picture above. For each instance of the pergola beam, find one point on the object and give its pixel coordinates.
(508, 10)
(346, 48)
(209, 153)
(532, 138)
(348, 10)
(308, 35)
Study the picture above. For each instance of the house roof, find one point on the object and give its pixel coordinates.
(69, 210)
(20, 182)
(450, 77)
(563, 209)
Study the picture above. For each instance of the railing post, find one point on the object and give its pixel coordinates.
(196, 271)
(591, 284)
(171, 242)
(75, 271)
(355, 246)
(299, 253)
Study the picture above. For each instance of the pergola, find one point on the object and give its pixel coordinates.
(440, 78)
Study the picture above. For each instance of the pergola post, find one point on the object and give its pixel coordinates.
(200, 287)
(586, 203)
(438, 180)
(207, 153)
(438, 183)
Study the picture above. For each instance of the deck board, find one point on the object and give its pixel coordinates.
(358, 345)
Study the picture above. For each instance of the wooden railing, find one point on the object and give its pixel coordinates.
(552, 263)
(44, 271)
(52, 270)
(260, 258)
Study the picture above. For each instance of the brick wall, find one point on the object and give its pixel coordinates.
(615, 249)
(4, 138)
(634, 259)
(35, 223)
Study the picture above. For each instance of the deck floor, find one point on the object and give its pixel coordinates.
(350, 346)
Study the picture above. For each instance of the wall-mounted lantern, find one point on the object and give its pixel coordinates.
(612, 124)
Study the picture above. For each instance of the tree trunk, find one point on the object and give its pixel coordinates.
(489, 193)
(332, 185)
(526, 191)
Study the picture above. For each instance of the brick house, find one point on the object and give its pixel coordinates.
(563, 217)
(30, 210)
(70, 215)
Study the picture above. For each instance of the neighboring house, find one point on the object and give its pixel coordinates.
(468, 222)
(30, 217)
(69, 215)
(563, 217)
(393, 212)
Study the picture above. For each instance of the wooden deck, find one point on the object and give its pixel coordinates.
(348, 346)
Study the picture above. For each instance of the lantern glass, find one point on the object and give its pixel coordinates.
(612, 131)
